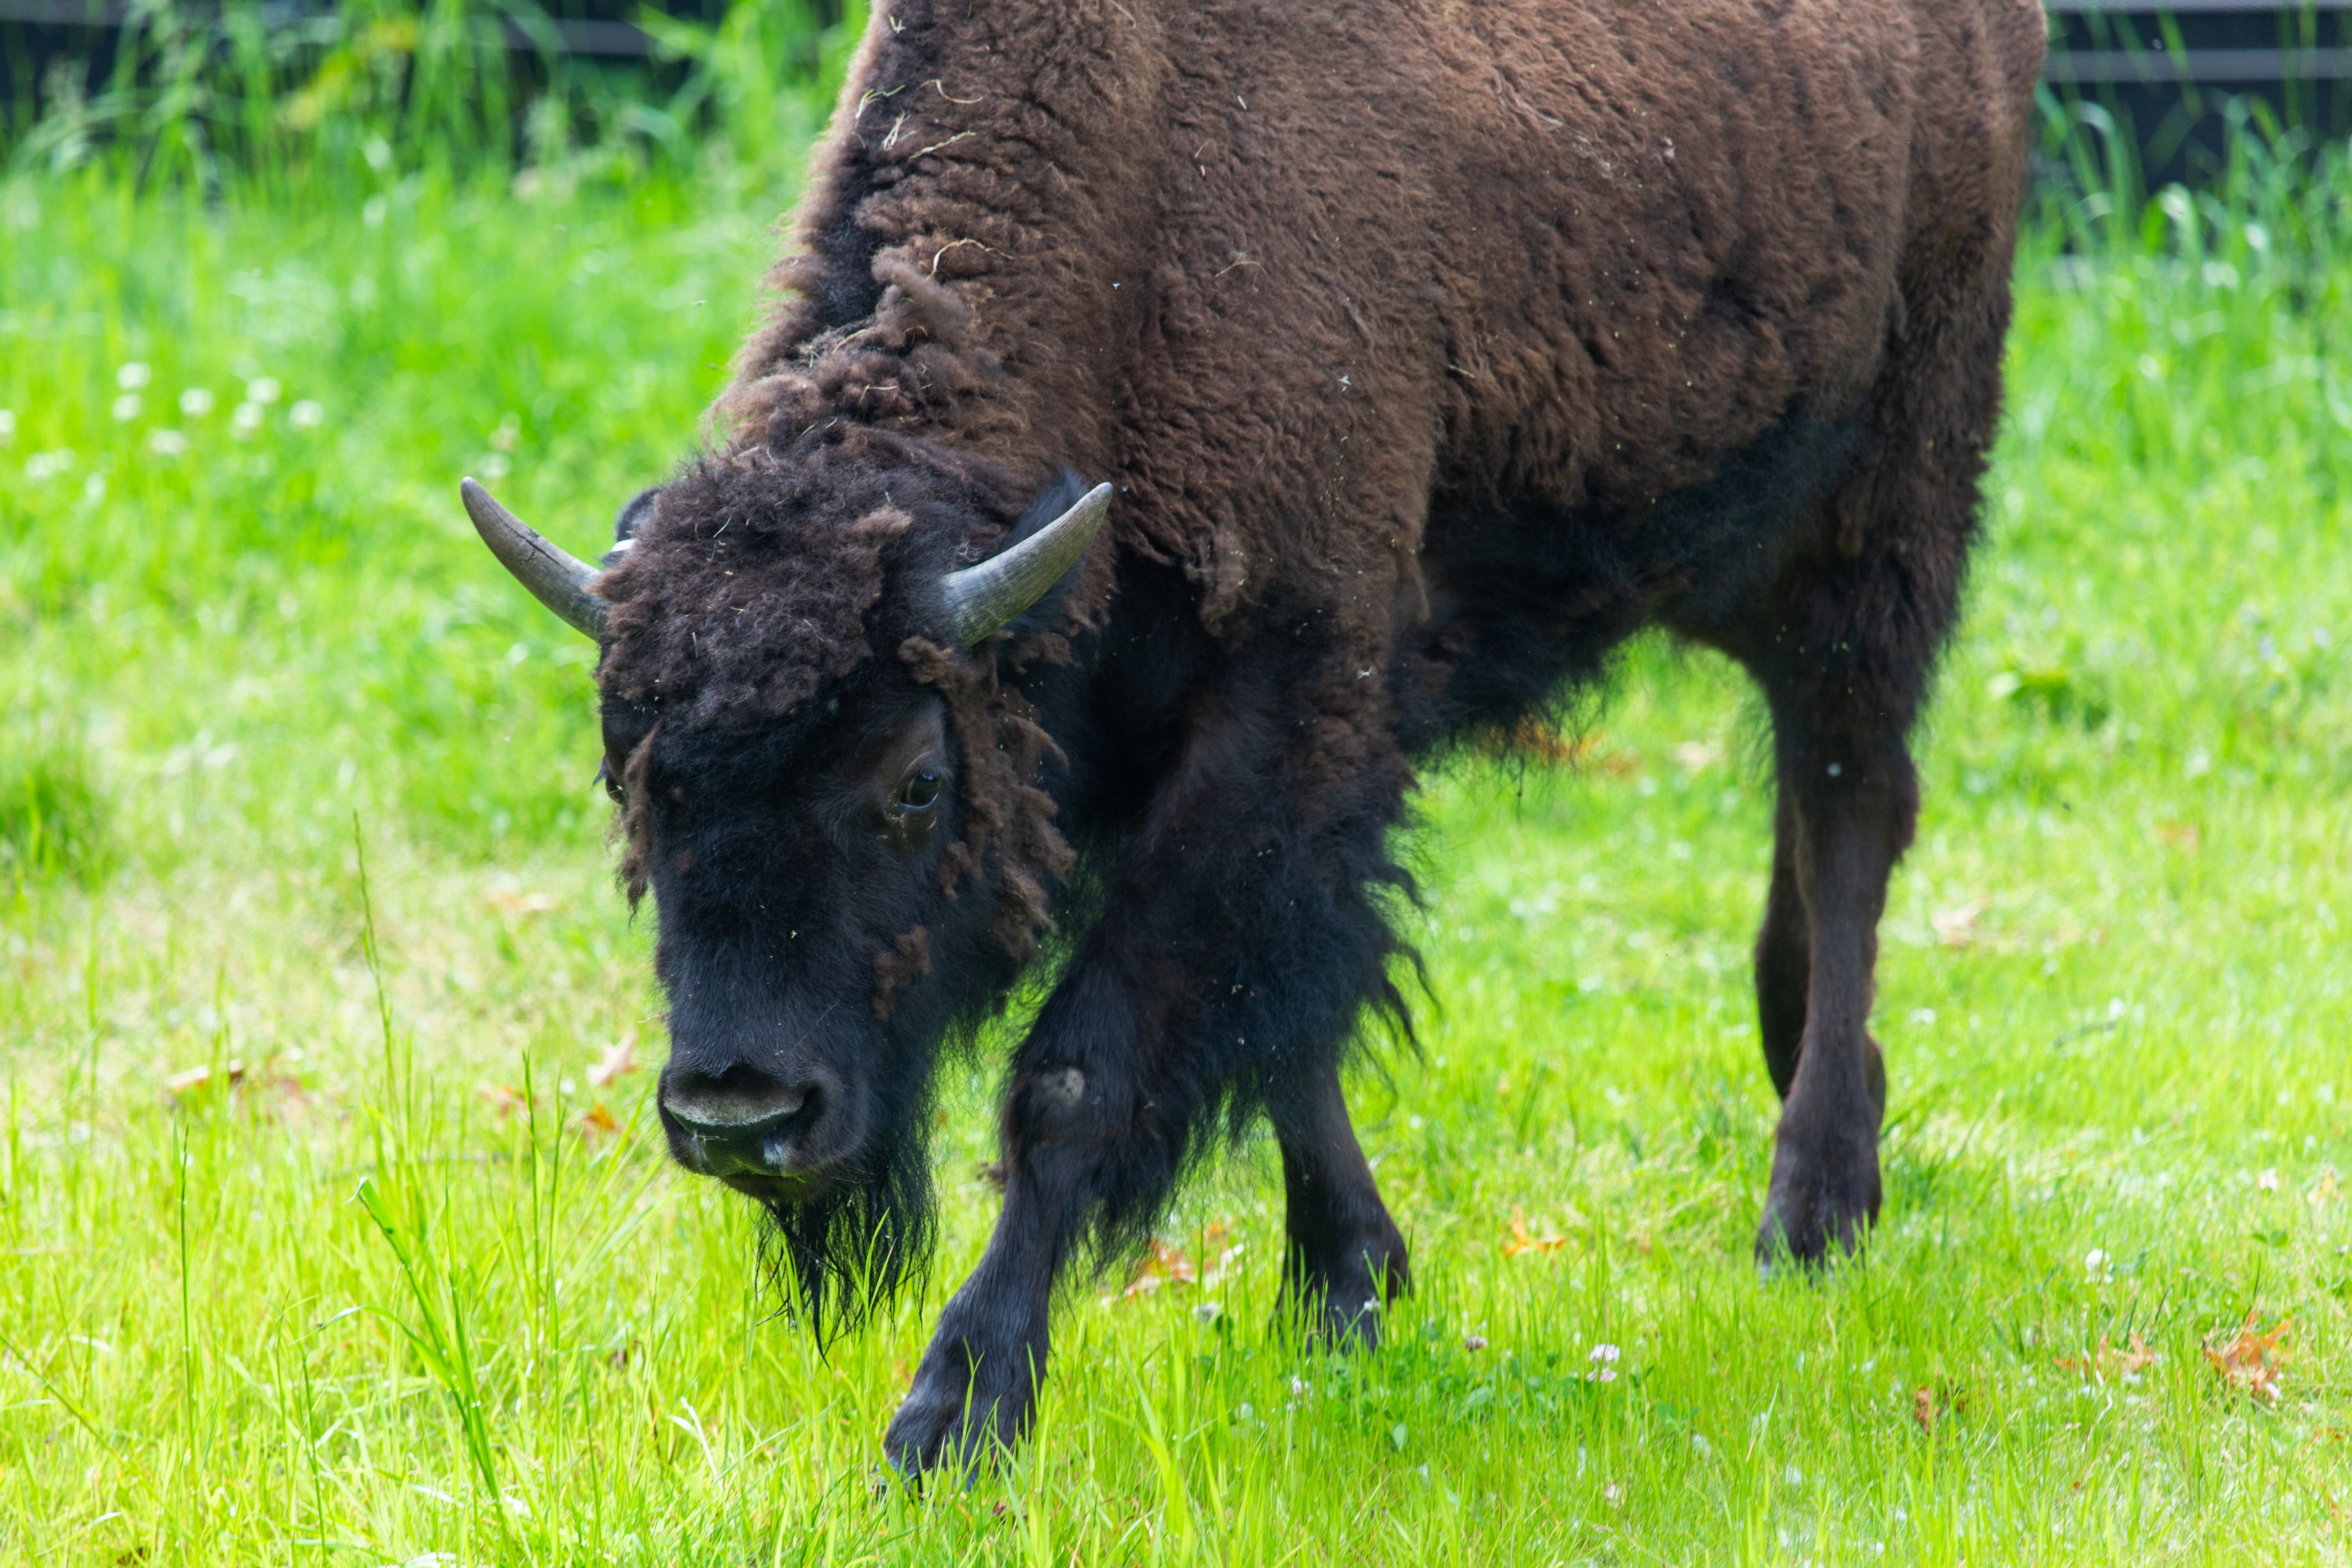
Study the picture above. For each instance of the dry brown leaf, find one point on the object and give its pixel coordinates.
(2181, 836)
(188, 1080)
(2327, 1191)
(1214, 1239)
(1164, 1263)
(1532, 738)
(515, 904)
(504, 1098)
(596, 1122)
(1932, 1403)
(1519, 1241)
(619, 1058)
(1957, 928)
(2250, 1363)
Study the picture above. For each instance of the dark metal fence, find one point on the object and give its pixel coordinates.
(2165, 75)
(2161, 73)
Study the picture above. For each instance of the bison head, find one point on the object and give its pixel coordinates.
(833, 799)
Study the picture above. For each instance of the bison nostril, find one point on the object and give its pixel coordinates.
(734, 1108)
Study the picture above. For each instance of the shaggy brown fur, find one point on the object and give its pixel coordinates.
(1284, 272)
(1433, 348)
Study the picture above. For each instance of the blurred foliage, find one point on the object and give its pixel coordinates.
(325, 105)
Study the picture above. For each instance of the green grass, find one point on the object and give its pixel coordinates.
(342, 1310)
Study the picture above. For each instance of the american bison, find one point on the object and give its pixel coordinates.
(1418, 354)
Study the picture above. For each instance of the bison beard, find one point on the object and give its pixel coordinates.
(1433, 352)
(845, 1252)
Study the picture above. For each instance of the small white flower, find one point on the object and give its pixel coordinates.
(47, 464)
(93, 488)
(2098, 1266)
(7, 426)
(197, 402)
(306, 414)
(126, 406)
(1606, 1354)
(133, 375)
(1613, 1495)
(1475, 1342)
(1209, 1312)
(1700, 1446)
(262, 389)
(2268, 1179)
(495, 467)
(243, 420)
(166, 443)
(1923, 1015)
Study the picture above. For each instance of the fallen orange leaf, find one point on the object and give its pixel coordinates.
(2253, 1364)
(1519, 1241)
(596, 1122)
(2125, 1364)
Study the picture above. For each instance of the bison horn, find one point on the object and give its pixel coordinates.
(555, 579)
(985, 598)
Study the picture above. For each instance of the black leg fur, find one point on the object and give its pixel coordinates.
(1345, 1258)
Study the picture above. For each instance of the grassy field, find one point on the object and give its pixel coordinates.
(325, 1236)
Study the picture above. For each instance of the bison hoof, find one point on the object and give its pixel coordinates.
(962, 1407)
(1815, 1210)
(1340, 1304)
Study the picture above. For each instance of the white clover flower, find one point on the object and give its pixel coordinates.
(42, 466)
(166, 443)
(2098, 1266)
(262, 389)
(306, 414)
(126, 406)
(133, 375)
(197, 402)
(243, 420)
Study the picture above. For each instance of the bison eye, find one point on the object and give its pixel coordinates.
(919, 791)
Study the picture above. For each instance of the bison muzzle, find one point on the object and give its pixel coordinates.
(1424, 354)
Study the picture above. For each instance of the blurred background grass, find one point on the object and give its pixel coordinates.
(255, 316)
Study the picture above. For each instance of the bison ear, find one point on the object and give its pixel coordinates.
(634, 513)
(555, 579)
(982, 600)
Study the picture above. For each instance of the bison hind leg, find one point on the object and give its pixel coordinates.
(1344, 1258)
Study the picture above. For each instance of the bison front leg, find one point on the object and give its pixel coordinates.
(977, 1386)
(1344, 1258)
